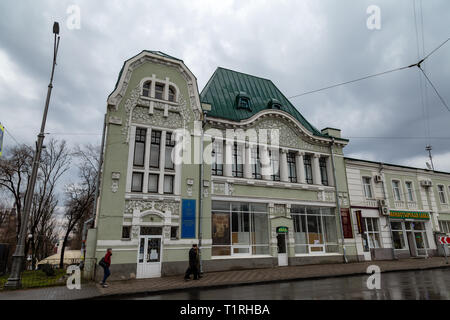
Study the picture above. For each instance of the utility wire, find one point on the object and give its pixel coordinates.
(371, 76)
(435, 90)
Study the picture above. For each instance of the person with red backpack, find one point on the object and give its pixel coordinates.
(105, 262)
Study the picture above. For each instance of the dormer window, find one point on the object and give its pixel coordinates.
(243, 101)
(171, 94)
(159, 91)
(274, 104)
(146, 89)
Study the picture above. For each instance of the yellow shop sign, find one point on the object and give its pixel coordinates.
(409, 215)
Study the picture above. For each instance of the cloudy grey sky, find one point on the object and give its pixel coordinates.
(300, 46)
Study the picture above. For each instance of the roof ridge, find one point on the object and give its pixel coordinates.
(247, 74)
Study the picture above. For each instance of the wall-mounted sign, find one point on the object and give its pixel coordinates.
(282, 229)
(409, 215)
(187, 218)
(359, 221)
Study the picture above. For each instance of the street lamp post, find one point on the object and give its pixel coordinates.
(19, 254)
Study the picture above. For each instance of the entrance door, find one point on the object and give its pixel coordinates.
(149, 257)
(282, 250)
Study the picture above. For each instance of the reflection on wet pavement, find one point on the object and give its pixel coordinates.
(411, 285)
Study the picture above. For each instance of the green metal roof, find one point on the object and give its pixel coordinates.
(224, 85)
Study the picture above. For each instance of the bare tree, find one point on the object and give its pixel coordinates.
(15, 171)
(80, 196)
(54, 164)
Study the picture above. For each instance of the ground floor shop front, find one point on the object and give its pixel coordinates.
(236, 235)
(400, 234)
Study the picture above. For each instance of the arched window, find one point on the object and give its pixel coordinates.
(146, 88)
(159, 91)
(171, 94)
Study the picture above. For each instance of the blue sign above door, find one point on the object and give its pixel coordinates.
(187, 218)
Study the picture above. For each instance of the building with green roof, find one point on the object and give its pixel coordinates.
(239, 171)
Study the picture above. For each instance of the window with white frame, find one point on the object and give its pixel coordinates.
(146, 88)
(170, 145)
(308, 169)
(159, 91)
(172, 94)
(137, 181)
(292, 170)
(441, 192)
(371, 235)
(155, 149)
(168, 184)
(239, 228)
(323, 170)
(256, 163)
(274, 156)
(314, 229)
(367, 183)
(139, 147)
(153, 181)
(217, 157)
(444, 226)
(409, 191)
(396, 190)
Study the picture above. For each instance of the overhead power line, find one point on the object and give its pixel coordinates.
(435, 90)
(371, 76)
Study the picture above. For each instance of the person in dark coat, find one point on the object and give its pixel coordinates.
(193, 264)
(107, 273)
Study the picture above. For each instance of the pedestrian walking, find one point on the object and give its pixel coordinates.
(193, 263)
(105, 263)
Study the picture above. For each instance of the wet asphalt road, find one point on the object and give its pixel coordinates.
(410, 285)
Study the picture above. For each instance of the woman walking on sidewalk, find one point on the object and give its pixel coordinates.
(106, 263)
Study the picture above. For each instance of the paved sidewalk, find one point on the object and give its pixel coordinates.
(221, 279)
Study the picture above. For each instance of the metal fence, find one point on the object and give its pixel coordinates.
(49, 273)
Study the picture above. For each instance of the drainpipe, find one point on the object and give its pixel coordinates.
(94, 210)
(381, 171)
(200, 201)
(338, 205)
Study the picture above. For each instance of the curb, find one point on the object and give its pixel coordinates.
(257, 282)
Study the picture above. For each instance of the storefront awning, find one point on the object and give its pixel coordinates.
(396, 214)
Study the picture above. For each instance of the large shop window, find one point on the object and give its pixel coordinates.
(308, 169)
(371, 235)
(139, 147)
(217, 157)
(239, 229)
(314, 229)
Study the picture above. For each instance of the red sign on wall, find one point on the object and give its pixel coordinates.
(444, 240)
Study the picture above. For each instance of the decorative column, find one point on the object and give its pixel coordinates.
(227, 166)
(330, 172)
(265, 163)
(300, 167)
(178, 161)
(316, 169)
(283, 166)
(130, 157)
(247, 161)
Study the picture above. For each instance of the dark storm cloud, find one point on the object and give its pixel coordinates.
(301, 46)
